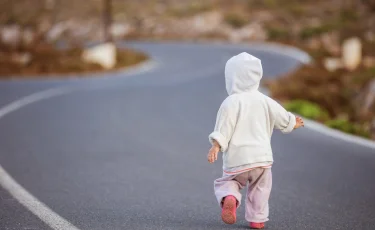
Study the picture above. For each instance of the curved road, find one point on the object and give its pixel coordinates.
(128, 152)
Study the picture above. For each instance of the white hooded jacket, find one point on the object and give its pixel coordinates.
(246, 118)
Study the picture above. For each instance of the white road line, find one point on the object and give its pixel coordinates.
(35, 97)
(35, 206)
(57, 222)
(316, 126)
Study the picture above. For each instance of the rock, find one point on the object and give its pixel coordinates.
(28, 37)
(104, 55)
(372, 129)
(56, 31)
(44, 25)
(369, 62)
(80, 31)
(314, 43)
(159, 30)
(263, 15)
(49, 4)
(253, 31)
(206, 22)
(11, 35)
(370, 97)
(332, 64)
(257, 32)
(314, 22)
(191, 27)
(147, 23)
(365, 101)
(352, 53)
(22, 59)
(160, 9)
(370, 36)
(331, 43)
(119, 31)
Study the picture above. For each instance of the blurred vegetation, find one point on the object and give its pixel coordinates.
(277, 33)
(307, 109)
(40, 55)
(316, 26)
(316, 112)
(345, 125)
(190, 10)
(317, 94)
(309, 32)
(47, 60)
(235, 20)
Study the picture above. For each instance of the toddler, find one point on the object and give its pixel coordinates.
(243, 131)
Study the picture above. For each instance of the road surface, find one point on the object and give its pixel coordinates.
(128, 151)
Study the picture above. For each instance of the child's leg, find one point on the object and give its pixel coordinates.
(227, 191)
(230, 185)
(258, 193)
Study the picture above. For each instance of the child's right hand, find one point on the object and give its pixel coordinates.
(212, 154)
(299, 123)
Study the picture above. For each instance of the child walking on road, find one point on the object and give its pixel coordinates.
(243, 131)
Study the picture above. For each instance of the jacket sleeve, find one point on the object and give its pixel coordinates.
(284, 120)
(225, 124)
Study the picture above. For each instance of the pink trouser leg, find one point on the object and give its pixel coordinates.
(258, 194)
(230, 185)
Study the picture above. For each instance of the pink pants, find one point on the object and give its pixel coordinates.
(258, 191)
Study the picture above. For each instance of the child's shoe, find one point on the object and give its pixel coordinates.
(256, 225)
(228, 213)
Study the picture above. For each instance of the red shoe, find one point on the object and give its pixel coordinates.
(228, 213)
(256, 225)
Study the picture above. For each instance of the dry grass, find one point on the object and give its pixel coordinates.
(49, 61)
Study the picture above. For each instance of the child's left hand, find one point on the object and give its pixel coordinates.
(212, 154)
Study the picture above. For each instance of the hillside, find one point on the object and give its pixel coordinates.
(328, 90)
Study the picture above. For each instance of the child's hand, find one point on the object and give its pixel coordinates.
(299, 123)
(212, 154)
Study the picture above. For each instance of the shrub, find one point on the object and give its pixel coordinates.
(348, 15)
(309, 32)
(348, 127)
(278, 33)
(307, 109)
(190, 10)
(47, 60)
(235, 20)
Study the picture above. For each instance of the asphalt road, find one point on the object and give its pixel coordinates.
(129, 152)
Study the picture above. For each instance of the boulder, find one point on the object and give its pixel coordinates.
(331, 43)
(56, 31)
(119, 31)
(22, 59)
(11, 35)
(314, 43)
(206, 22)
(369, 62)
(352, 53)
(332, 64)
(365, 101)
(369, 101)
(370, 36)
(28, 37)
(253, 31)
(104, 55)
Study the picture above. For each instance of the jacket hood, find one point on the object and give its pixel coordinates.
(243, 73)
